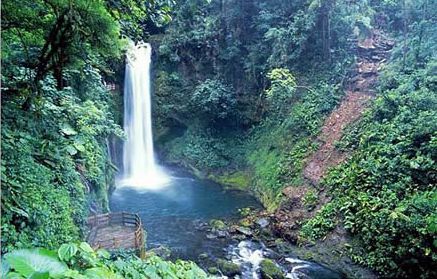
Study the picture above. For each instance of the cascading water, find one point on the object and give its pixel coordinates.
(249, 256)
(139, 167)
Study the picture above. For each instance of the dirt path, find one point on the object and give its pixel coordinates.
(372, 53)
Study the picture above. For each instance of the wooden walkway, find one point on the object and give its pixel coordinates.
(119, 230)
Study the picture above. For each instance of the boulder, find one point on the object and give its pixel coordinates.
(269, 270)
(228, 268)
(263, 222)
(217, 224)
(245, 231)
(213, 270)
(161, 251)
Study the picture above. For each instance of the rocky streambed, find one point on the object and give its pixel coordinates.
(185, 221)
(248, 250)
(254, 251)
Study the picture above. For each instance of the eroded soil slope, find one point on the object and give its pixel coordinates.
(371, 55)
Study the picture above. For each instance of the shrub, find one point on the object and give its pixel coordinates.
(81, 261)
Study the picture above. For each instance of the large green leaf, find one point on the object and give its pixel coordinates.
(30, 261)
(40, 275)
(101, 273)
(13, 275)
(86, 247)
(68, 130)
(67, 251)
(71, 150)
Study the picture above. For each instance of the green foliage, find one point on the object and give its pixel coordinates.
(273, 151)
(213, 100)
(277, 148)
(52, 157)
(281, 80)
(65, 37)
(310, 199)
(236, 180)
(267, 167)
(80, 261)
(324, 221)
(67, 251)
(281, 92)
(136, 17)
(203, 149)
(171, 98)
(249, 113)
(34, 210)
(386, 193)
(57, 113)
(30, 263)
(237, 44)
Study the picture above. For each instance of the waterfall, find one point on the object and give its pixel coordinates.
(139, 166)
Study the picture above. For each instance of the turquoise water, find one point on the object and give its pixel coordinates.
(175, 216)
(172, 216)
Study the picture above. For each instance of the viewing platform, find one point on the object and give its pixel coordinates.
(117, 230)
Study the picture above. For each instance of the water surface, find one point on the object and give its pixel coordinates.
(172, 215)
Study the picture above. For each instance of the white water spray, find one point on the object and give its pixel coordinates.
(139, 167)
(248, 258)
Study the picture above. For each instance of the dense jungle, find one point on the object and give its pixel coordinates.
(298, 139)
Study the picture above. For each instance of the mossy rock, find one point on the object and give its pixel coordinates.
(269, 270)
(228, 268)
(213, 270)
(217, 224)
(161, 251)
(246, 222)
(237, 180)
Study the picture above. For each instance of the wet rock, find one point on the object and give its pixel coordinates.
(232, 229)
(263, 222)
(217, 224)
(211, 236)
(221, 234)
(214, 270)
(245, 231)
(283, 247)
(269, 270)
(246, 222)
(239, 237)
(228, 268)
(199, 225)
(203, 256)
(161, 251)
(218, 229)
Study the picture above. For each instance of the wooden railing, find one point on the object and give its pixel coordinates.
(119, 218)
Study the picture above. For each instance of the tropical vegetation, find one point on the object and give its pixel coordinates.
(242, 89)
